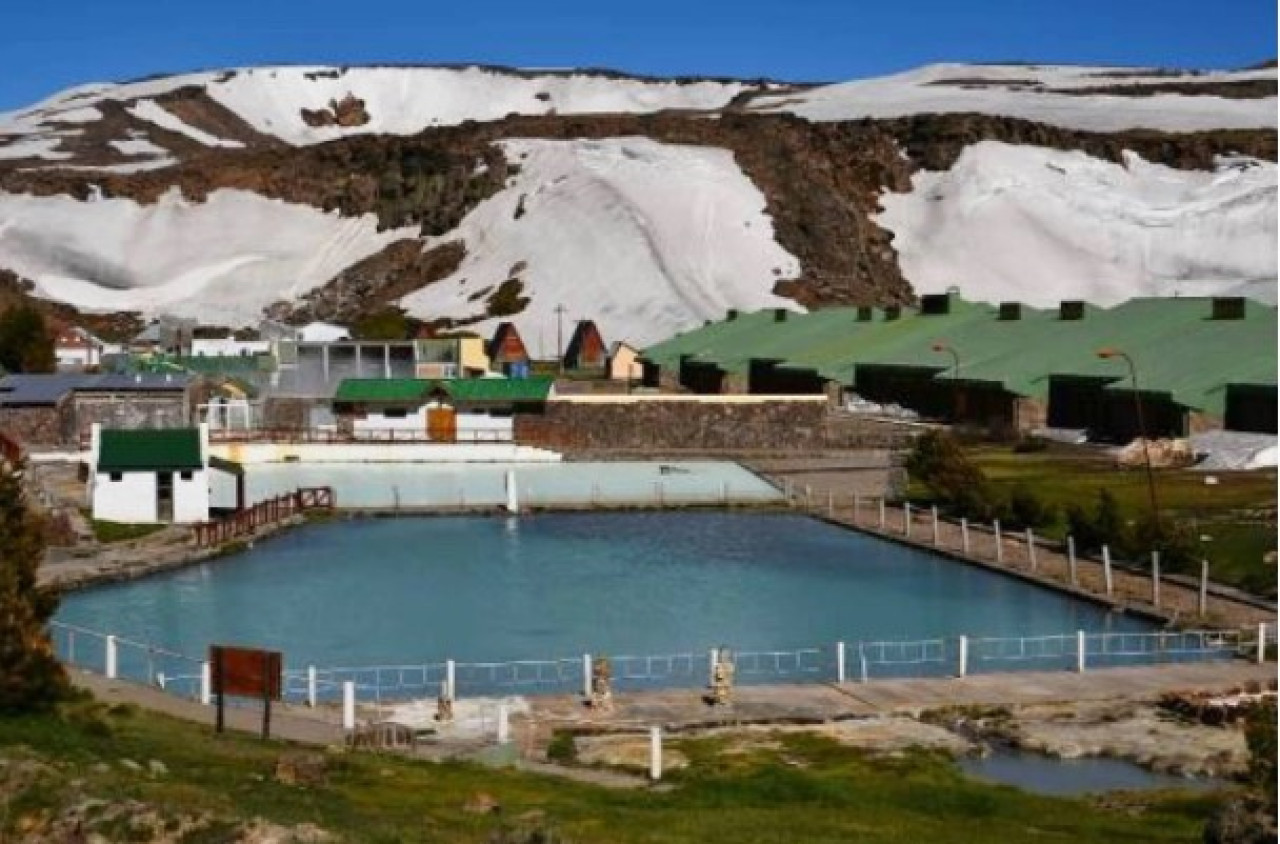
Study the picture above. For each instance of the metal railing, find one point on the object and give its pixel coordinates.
(139, 661)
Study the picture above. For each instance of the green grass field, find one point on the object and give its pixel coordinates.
(1238, 513)
(118, 532)
(803, 789)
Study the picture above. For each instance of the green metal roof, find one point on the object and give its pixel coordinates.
(383, 389)
(410, 390)
(169, 449)
(499, 389)
(1177, 348)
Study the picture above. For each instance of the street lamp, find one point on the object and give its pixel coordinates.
(939, 346)
(1109, 353)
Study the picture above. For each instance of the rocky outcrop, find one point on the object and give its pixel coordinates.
(346, 112)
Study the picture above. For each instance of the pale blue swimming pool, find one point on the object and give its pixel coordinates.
(420, 590)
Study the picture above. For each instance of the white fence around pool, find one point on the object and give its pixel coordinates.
(840, 662)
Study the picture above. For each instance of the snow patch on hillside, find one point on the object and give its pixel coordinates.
(1038, 226)
(152, 112)
(645, 238)
(222, 260)
(403, 101)
(1024, 91)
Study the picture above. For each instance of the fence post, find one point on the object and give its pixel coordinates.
(840, 678)
(451, 678)
(206, 684)
(964, 535)
(963, 654)
(1203, 604)
(311, 686)
(882, 513)
(586, 676)
(348, 705)
(831, 503)
(1262, 642)
(1080, 651)
(935, 525)
(1071, 560)
(862, 663)
(655, 753)
(1155, 579)
(713, 656)
(906, 519)
(995, 527)
(1031, 548)
(856, 504)
(1106, 569)
(504, 724)
(808, 497)
(113, 665)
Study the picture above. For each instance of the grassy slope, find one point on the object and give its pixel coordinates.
(1226, 511)
(808, 789)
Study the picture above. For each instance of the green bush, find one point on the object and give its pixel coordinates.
(562, 748)
(1026, 509)
(1030, 445)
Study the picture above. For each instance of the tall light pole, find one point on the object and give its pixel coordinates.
(1110, 353)
(939, 346)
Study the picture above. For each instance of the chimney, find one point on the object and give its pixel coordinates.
(731, 315)
(1071, 309)
(779, 314)
(1010, 311)
(865, 313)
(1228, 307)
(935, 304)
(892, 312)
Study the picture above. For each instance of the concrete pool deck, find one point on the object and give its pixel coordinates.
(683, 709)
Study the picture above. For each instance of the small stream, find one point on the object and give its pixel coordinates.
(1049, 775)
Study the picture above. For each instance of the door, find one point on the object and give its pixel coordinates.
(442, 424)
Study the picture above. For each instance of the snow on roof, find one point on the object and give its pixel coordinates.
(1031, 92)
(323, 332)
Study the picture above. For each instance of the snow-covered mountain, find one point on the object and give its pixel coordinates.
(468, 195)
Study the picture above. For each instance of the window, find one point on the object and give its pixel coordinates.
(116, 477)
(187, 475)
(395, 413)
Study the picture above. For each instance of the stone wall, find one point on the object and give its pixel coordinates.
(131, 410)
(33, 425)
(780, 425)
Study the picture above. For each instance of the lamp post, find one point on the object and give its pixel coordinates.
(1110, 353)
(939, 346)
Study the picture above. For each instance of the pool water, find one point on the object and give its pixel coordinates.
(472, 588)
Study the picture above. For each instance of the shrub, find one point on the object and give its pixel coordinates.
(1026, 509)
(562, 748)
(938, 462)
(1030, 445)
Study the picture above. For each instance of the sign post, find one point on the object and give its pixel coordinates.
(246, 672)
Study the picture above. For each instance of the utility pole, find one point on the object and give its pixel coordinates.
(560, 311)
(1111, 353)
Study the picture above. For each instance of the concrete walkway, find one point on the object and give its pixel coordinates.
(684, 709)
(1046, 565)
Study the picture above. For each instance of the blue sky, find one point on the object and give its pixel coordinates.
(47, 46)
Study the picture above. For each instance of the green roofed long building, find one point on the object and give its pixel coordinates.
(1201, 363)
(445, 410)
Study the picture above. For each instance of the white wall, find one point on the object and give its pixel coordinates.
(131, 500)
(191, 498)
(252, 453)
(481, 427)
(415, 421)
(78, 355)
(229, 346)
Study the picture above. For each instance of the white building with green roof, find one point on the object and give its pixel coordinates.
(149, 476)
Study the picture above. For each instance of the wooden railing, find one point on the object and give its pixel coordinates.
(248, 521)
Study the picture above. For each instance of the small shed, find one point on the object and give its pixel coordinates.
(150, 476)
(587, 350)
(624, 363)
